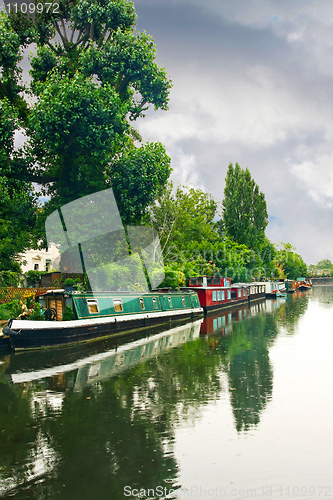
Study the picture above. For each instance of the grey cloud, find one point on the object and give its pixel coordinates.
(253, 85)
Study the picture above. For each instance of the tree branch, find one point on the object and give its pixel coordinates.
(60, 34)
(40, 178)
(92, 26)
(72, 35)
(73, 134)
(51, 47)
(65, 32)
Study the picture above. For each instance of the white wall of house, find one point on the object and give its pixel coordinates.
(39, 260)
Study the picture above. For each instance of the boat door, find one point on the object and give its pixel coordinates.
(56, 303)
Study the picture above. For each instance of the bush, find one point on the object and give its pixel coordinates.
(37, 313)
(69, 282)
(33, 277)
(174, 276)
(9, 278)
(4, 312)
(11, 310)
(68, 314)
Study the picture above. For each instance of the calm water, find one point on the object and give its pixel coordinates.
(237, 406)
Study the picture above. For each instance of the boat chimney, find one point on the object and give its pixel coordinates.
(204, 281)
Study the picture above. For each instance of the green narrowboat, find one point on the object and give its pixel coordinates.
(98, 315)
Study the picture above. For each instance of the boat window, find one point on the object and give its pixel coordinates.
(92, 306)
(214, 296)
(170, 301)
(183, 301)
(118, 305)
(218, 295)
(239, 293)
(155, 303)
(229, 294)
(222, 295)
(142, 304)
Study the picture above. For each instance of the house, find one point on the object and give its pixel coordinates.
(40, 260)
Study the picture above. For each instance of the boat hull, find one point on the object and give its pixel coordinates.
(39, 334)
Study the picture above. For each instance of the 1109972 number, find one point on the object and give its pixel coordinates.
(32, 8)
(309, 491)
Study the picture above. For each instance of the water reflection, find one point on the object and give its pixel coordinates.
(323, 294)
(93, 424)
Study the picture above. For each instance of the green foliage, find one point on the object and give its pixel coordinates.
(291, 262)
(183, 217)
(36, 313)
(324, 266)
(92, 75)
(17, 202)
(69, 282)
(10, 310)
(9, 278)
(127, 275)
(68, 314)
(33, 277)
(5, 312)
(244, 208)
(137, 179)
(174, 277)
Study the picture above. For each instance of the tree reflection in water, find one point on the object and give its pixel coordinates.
(89, 432)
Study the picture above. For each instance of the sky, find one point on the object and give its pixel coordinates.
(252, 84)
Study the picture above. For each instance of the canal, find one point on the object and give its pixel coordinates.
(238, 405)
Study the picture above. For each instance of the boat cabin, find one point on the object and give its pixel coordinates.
(214, 292)
(209, 281)
(240, 291)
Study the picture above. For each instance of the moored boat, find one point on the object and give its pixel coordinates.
(303, 284)
(213, 292)
(99, 315)
(275, 288)
(290, 286)
(218, 293)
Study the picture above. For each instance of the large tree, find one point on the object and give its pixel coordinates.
(91, 76)
(183, 216)
(244, 208)
(18, 203)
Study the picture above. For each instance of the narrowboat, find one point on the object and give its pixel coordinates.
(218, 293)
(99, 315)
(257, 291)
(213, 292)
(303, 284)
(290, 286)
(274, 288)
(251, 291)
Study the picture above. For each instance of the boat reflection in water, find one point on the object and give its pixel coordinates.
(222, 322)
(104, 365)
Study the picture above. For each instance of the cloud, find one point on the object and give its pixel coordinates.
(253, 85)
(317, 177)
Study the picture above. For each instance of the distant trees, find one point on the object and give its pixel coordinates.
(291, 263)
(244, 208)
(195, 241)
(323, 266)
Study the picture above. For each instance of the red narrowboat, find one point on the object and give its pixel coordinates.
(213, 292)
(217, 293)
